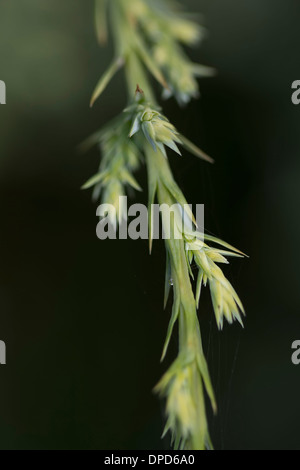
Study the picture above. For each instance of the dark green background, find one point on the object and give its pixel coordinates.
(83, 319)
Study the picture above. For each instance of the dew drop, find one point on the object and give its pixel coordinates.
(171, 282)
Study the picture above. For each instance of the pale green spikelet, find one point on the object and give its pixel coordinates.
(165, 30)
(120, 158)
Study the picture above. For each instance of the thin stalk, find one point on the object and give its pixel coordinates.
(191, 360)
(134, 70)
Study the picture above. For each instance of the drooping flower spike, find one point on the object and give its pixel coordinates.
(148, 37)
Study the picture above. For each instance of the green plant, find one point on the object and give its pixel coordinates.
(148, 38)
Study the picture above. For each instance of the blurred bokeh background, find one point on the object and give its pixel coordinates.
(83, 319)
